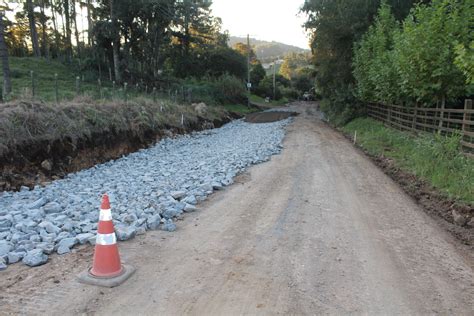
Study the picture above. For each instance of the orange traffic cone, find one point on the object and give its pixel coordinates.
(106, 261)
(107, 269)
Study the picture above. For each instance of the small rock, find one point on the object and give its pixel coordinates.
(178, 194)
(83, 238)
(6, 221)
(62, 249)
(154, 221)
(50, 227)
(35, 258)
(459, 219)
(5, 247)
(47, 165)
(36, 214)
(68, 242)
(52, 207)
(217, 186)
(3, 265)
(170, 213)
(471, 223)
(14, 257)
(125, 233)
(61, 236)
(190, 200)
(92, 240)
(190, 208)
(129, 218)
(46, 247)
(37, 204)
(141, 230)
(169, 226)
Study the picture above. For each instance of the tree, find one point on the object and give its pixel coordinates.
(221, 60)
(335, 27)
(76, 30)
(425, 51)
(44, 36)
(374, 60)
(68, 29)
(293, 64)
(464, 60)
(243, 49)
(90, 23)
(115, 42)
(33, 33)
(7, 85)
(257, 74)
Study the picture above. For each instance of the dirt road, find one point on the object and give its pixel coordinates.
(317, 230)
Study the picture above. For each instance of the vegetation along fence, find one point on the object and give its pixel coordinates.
(415, 119)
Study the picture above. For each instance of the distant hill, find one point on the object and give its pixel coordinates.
(267, 51)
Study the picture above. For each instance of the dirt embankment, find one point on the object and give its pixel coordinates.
(42, 157)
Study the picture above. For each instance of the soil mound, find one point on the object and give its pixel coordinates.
(268, 117)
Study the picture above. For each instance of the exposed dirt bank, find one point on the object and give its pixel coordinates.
(38, 160)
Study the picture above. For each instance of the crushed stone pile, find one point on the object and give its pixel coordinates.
(148, 190)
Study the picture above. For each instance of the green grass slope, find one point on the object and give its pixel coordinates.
(434, 158)
(44, 79)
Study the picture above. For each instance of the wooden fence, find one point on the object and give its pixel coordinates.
(415, 119)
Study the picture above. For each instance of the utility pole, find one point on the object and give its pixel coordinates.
(248, 70)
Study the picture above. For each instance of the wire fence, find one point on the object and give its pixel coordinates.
(60, 89)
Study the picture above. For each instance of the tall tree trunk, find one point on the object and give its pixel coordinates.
(33, 33)
(55, 26)
(7, 84)
(76, 32)
(90, 25)
(115, 44)
(44, 41)
(68, 30)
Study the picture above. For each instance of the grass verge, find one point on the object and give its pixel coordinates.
(240, 109)
(435, 159)
(23, 123)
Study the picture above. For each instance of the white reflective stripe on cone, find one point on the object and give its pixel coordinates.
(105, 215)
(106, 239)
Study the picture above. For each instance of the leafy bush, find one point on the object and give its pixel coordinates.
(373, 64)
(265, 89)
(229, 89)
(290, 93)
(424, 61)
(225, 89)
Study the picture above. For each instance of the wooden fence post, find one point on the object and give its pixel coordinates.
(413, 122)
(33, 88)
(56, 90)
(467, 116)
(441, 115)
(78, 85)
(389, 115)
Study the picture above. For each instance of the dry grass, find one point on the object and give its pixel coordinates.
(28, 122)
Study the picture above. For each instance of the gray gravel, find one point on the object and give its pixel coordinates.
(148, 190)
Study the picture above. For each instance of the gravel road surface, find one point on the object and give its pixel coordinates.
(317, 230)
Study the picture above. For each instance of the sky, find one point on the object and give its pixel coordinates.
(270, 20)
